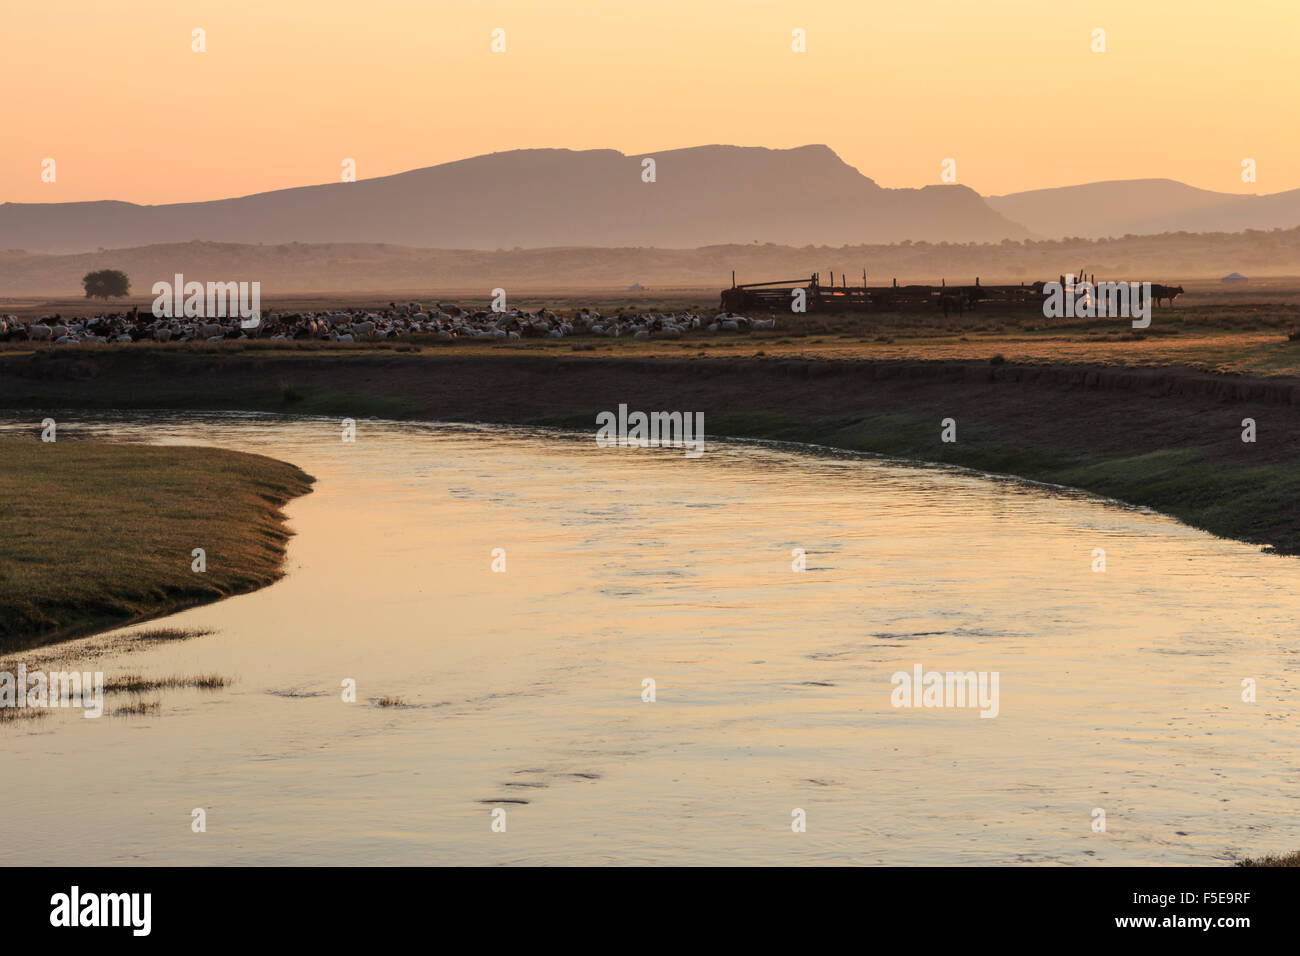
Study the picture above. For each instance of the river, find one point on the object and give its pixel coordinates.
(524, 690)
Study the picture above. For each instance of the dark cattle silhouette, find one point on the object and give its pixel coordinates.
(1169, 292)
(952, 303)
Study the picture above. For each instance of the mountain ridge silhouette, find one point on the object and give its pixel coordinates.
(702, 195)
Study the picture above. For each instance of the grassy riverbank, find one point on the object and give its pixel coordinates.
(1225, 494)
(96, 535)
(1166, 437)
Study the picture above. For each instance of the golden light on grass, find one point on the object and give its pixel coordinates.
(98, 534)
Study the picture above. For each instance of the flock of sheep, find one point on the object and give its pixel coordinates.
(445, 322)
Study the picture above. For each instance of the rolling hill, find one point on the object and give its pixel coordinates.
(1144, 207)
(544, 198)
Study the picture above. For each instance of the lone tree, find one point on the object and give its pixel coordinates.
(106, 282)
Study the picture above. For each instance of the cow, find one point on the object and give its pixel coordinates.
(1169, 292)
(950, 302)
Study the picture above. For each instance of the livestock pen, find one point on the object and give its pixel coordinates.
(780, 296)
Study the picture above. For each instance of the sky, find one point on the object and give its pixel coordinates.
(1010, 90)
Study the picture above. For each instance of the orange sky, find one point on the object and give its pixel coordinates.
(286, 90)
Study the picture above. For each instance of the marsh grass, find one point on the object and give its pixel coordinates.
(136, 684)
(1289, 859)
(163, 634)
(137, 708)
(94, 535)
(13, 714)
(390, 702)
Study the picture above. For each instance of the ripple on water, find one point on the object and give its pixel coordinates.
(1119, 690)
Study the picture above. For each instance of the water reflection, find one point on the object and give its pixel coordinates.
(523, 689)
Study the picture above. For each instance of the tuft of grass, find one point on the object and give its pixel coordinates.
(209, 681)
(390, 702)
(1289, 859)
(160, 634)
(21, 713)
(138, 708)
(135, 684)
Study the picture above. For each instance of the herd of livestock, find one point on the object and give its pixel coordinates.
(444, 322)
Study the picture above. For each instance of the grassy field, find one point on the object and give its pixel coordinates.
(94, 535)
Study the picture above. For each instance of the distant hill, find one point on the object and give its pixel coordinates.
(1144, 207)
(546, 197)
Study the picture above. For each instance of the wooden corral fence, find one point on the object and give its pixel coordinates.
(777, 296)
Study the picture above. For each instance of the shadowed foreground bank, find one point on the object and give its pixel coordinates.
(1169, 438)
(97, 535)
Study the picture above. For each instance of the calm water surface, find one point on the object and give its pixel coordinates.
(523, 690)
